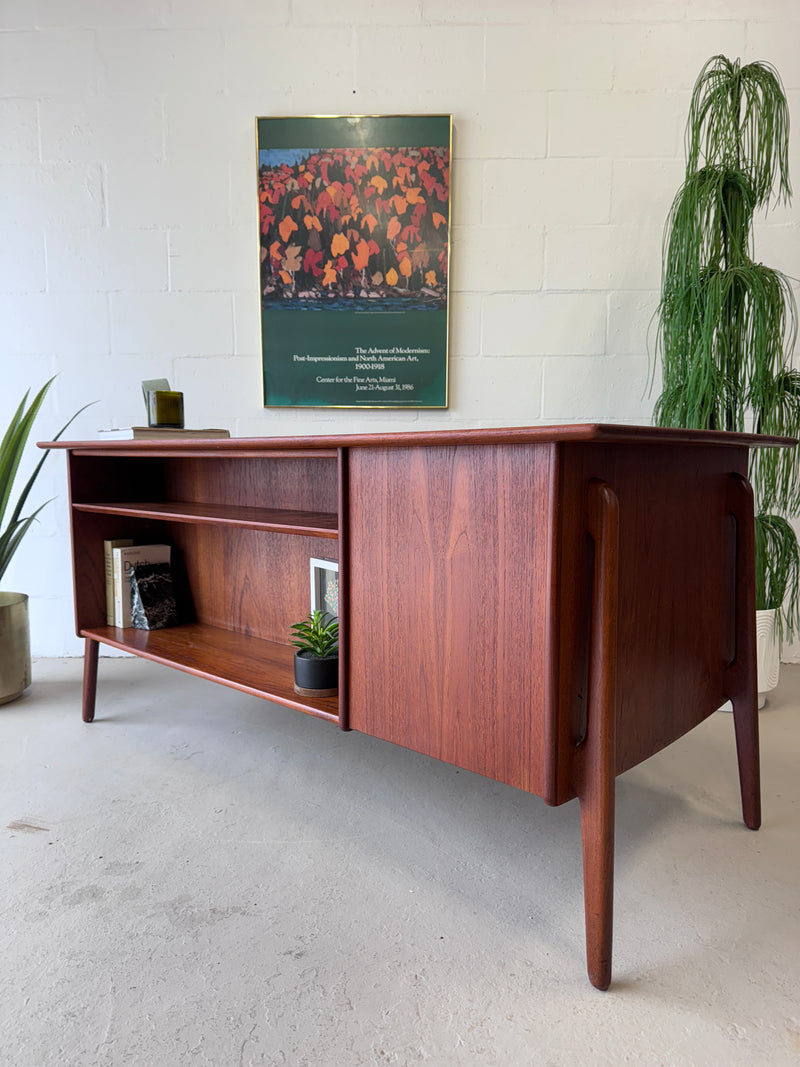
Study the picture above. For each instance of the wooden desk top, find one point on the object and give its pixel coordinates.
(601, 433)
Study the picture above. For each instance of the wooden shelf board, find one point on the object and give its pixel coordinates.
(261, 668)
(311, 523)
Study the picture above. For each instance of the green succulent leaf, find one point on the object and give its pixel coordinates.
(317, 634)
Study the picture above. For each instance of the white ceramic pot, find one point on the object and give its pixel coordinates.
(15, 646)
(768, 656)
(768, 653)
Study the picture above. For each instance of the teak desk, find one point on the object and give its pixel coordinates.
(547, 607)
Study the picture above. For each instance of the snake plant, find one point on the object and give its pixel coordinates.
(12, 447)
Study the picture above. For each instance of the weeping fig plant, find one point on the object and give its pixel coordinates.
(727, 324)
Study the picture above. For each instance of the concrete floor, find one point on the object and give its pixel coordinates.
(202, 878)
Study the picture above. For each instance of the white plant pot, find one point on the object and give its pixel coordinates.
(768, 653)
(768, 656)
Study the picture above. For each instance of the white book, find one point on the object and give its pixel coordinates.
(124, 559)
(108, 554)
(157, 433)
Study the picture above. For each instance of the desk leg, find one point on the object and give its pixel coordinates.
(91, 650)
(596, 756)
(742, 683)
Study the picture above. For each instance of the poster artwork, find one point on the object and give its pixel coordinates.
(354, 222)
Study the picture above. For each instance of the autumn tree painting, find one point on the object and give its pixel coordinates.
(349, 224)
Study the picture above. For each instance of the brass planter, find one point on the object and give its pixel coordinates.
(15, 646)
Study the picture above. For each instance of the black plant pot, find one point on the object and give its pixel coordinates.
(314, 676)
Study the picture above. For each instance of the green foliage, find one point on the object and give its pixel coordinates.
(739, 118)
(12, 448)
(727, 324)
(777, 568)
(317, 634)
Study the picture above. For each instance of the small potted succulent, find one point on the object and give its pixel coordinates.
(316, 661)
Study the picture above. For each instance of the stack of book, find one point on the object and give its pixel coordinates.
(123, 560)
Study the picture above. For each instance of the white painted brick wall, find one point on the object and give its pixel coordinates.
(42, 196)
(615, 124)
(128, 212)
(541, 324)
(39, 63)
(74, 128)
(568, 58)
(649, 58)
(496, 257)
(172, 324)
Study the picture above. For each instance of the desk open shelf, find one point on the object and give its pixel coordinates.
(242, 526)
(278, 520)
(261, 668)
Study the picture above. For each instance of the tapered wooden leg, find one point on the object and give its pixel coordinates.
(745, 721)
(597, 831)
(91, 650)
(741, 679)
(596, 761)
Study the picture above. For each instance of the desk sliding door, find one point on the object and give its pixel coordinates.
(450, 557)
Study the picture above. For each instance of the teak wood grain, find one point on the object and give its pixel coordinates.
(545, 606)
(279, 520)
(449, 569)
(260, 668)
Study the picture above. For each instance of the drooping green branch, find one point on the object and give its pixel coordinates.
(722, 336)
(775, 472)
(777, 569)
(712, 204)
(739, 118)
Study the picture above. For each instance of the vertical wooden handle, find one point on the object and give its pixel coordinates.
(598, 750)
(740, 680)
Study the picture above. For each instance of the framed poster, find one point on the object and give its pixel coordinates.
(354, 222)
(325, 586)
